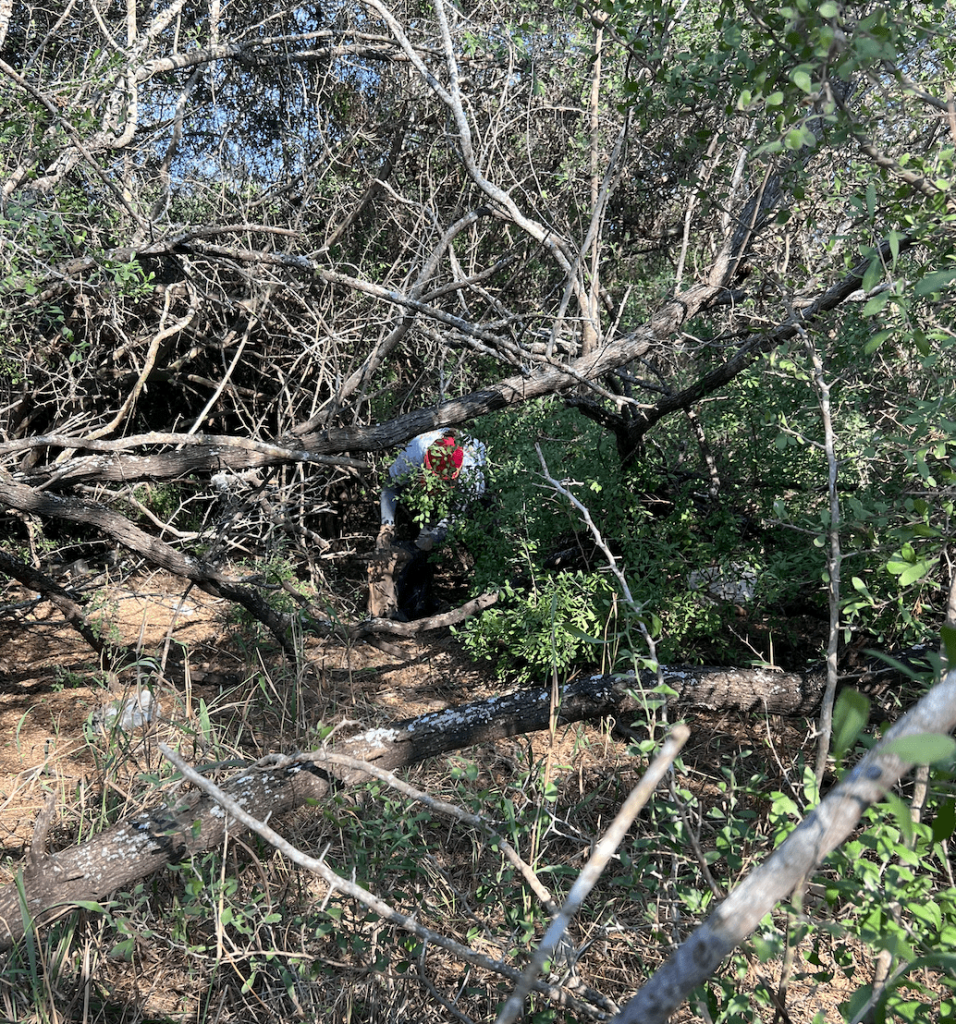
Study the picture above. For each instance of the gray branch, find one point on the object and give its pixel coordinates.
(789, 866)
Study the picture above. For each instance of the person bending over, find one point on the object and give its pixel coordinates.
(445, 465)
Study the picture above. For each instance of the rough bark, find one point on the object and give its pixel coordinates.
(180, 826)
(374, 626)
(194, 453)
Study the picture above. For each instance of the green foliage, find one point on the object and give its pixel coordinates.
(273, 569)
(163, 500)
(888, 888)
(885, 868)
(839, 109)
(545, 630)
(430, 499)
(662, 533)
(850, 715)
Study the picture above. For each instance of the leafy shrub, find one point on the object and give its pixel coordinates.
(533, 634)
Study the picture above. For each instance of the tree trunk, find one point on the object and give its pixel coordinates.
(181, 826)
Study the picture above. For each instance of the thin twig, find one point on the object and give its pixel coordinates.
(834, 560)
(592, 871)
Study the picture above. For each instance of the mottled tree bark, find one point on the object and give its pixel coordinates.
(180, 826)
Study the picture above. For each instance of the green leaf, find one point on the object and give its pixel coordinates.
(123, 950)
(877, 339)
(874, 305)
(850, 715)
(935, 281)
(944, 824)
(948, 635)
(828, 9)
(917, 673)
(873, 275)
(802, 81)
(917, 571)
(579, 634)
(93, 906)
(927, 748)
(900, 810)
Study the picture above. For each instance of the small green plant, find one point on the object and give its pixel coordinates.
(545, 630)
(129, 277)
(102, 611)
(163, 500)
(69, 679)
(269, 573)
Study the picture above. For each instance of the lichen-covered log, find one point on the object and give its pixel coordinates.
(178, 827)
(746, 689)
(164, 834)
(174, 830)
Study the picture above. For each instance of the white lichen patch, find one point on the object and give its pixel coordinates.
(380, 737)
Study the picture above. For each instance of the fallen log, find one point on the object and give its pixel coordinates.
(193, 453)
(179, 825)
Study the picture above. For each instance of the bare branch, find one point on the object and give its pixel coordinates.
(592, 871)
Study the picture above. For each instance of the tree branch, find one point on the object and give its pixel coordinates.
(789, 866)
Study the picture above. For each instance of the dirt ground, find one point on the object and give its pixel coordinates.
(53, 693)
(53, 697)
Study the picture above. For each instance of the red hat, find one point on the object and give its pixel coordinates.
(444, 458)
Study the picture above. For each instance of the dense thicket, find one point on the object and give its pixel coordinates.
(326, 228)
(693, 262)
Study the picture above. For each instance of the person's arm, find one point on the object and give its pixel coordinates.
(389, 504)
